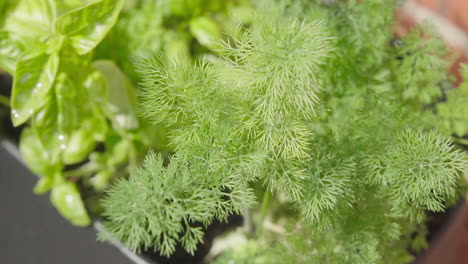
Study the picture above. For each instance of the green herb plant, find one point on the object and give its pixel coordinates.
(308, 118)
(290, 113)
(452, 113)
(65, 97)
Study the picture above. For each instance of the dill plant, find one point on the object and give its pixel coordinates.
(311, 106)
(308, 117)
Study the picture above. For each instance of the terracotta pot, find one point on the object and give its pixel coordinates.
(450, 246)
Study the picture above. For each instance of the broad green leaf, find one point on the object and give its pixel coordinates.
(97, 88)
(46, 127)
(54, 43)
(31, 19)
(60, 125)
(206, 31)
(65, 6)
(36, 157)
(81, 143)
(121, 97)
(215, 5)
(97, 124)
(43, 185)
(66, 198)
(76, 66)
(460, 128)
(101, 180)
(119, 152)
(4, 6)
(68, 103)
(87, 26)
(34, 153)
(9, 52)
(178, 50)
(34, 77)
(177, 46)
(67, 125)
(130, 4)
(185, 7)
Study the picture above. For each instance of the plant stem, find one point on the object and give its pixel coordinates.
(247, 221)
(133, 156)
(86, 169)
(263, 212)
(4, 100)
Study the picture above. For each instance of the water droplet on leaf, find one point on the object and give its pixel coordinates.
(15, 113)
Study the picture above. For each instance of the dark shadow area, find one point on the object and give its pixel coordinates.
(32, 232)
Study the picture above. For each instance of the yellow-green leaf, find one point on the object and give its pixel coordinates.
(66, 198)
(34, 77)
(86, 26)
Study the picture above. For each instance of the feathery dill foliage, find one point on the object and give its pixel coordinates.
(179, 95)
(320, 110)
(159, 206)
(421, 170)
(277, 73)
(327, 183)
(207, 112)
(298, 247)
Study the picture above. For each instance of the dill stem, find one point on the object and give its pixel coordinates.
(265, 204)
(133, 157)
(4, 100)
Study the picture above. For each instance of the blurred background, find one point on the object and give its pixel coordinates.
(450, 17)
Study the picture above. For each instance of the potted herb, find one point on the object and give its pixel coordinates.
(163, 118)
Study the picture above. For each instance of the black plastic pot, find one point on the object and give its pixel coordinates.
(33, 232)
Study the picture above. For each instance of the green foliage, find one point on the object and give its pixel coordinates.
(311, 104)
(421, 168)
(302, 249)
(452, 114)
(159, 206)
(167, 26)
(65, 99)
(423, 67)
(179, 95)
(279, 83)
(327, 185)
(364, 29)
(67, 199)
(37, 82)
(88, 24)
(286, 104)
